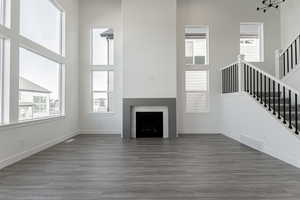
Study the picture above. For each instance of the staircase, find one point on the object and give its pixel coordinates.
(274, 95)
(288, 60)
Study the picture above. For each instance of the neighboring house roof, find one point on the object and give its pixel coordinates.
(28, 86)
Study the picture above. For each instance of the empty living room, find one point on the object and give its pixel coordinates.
(149, 100)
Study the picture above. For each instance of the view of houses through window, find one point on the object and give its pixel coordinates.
(102, 90)
(196, 45)
(39, 86)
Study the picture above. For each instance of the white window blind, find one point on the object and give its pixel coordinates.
(251, 42)
(196, 89)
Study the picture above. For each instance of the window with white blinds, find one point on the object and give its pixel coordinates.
(251, 41)
(197, 91)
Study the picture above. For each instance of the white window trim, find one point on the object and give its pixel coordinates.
(62, 38)
(207, 92)
(207, 47)
(262, 40)
(16, 41)
(102, 69)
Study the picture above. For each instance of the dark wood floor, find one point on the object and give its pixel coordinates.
(205, 167)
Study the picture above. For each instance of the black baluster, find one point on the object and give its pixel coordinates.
(292, 57)
(250, 81)
(284, 64)
(245, 78)
(269, 94)
(225, 79)
(261, 89)
(274, 96)
(278, 96)
(265, 89)
(284, 112)
(287, 61)
(296, 112)
(296, 53)
(290, 109)
(230, 80)
(257, 85)
(235, 79)
(222, 82)
(254, 83)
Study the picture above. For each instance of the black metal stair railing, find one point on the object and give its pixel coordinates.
(230, 79)
(290, 57)
(278, 98)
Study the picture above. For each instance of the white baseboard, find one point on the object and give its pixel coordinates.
(200, 131)
(20, 156)
(101, 132)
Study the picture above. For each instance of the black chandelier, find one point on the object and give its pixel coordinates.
(267, 4)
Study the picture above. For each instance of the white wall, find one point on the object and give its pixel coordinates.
(19, 141)
(289, 18)
(105, 14)
(149, 48)
(223, 19)
(247, 121)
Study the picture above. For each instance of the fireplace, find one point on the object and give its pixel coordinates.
(164, 106)
(150, 121)
(149, 124)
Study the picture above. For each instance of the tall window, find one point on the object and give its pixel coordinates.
(41, 21)
(1, 77)
(251, 41)
(39, 86)
(196, 90)
(41, 74)
(102, 46)
(196, 45)
(5, 13)
(102, 61)
(102, 91)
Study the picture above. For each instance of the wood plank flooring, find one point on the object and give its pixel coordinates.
(207, 167)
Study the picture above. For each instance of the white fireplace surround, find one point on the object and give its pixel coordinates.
(162, 109)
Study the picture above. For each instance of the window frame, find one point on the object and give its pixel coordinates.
(207, 45)
(91, 47)
(13, 41)
(61, 85)
(101, 68)
(107, 92)
(207, 92)
(62, 27)
(261, 41)
(2, 58)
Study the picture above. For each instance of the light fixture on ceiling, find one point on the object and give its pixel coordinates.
(267, 4)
